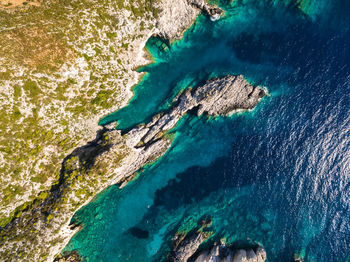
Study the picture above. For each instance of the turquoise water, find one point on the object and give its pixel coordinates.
(278, 175)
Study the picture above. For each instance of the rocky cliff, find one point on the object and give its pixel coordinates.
(177, 15)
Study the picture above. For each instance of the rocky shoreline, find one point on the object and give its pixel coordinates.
(178, 15)
(42, 228)
(219, 96)
(145, 143)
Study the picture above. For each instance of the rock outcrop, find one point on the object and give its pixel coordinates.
(71, 257)
(213, 11)
(187, 247)
(178, 15)
(222, 253)
(219, 96)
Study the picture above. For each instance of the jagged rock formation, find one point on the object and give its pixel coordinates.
(72, 257)
(222, 253)
(213, 11)
(174, 21)
(186, 247)
(219, 96)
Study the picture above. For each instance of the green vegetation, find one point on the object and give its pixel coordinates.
(44, 111)
(39, 40)
(43, 195)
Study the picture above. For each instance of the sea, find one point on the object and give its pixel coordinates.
(277, 176)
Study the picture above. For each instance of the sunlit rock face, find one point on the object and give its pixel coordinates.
(224, 254)
(219, 96)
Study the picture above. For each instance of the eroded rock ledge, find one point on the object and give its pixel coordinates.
(174, 21)
(219, 96)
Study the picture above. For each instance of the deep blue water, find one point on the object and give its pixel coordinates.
(278, 175)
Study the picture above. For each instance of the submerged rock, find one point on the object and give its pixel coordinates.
(297, 258)
(139, 233)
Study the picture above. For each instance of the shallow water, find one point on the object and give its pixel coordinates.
(278, 175)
